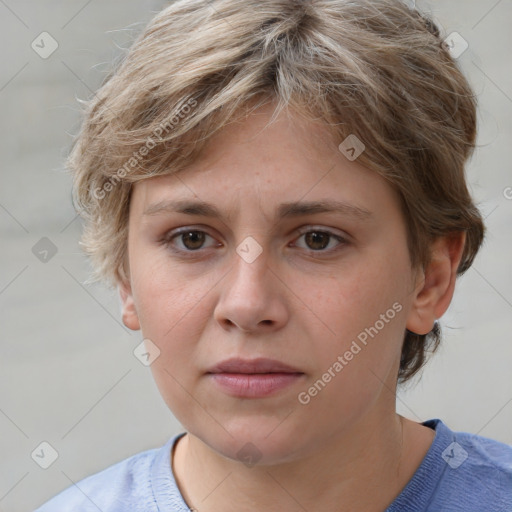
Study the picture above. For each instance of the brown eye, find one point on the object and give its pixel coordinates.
(316, 240)
(186, 240)
(193, 240)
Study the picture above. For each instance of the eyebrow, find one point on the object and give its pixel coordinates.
(285, 210)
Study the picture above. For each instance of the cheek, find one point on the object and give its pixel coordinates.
(364, 314)
(353, 366)
(165, 296)
(356, 298)
(173, 310)
(169, 312)
(170, 316)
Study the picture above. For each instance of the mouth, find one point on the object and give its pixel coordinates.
(253, 378)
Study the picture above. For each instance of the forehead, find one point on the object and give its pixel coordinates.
(262, 161)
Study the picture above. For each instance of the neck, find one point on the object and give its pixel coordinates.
(381, 454)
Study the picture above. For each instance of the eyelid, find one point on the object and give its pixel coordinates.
(322, 229)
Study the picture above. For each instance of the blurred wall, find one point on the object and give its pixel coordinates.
(68, 375)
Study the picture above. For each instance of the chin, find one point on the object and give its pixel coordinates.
(256, 441)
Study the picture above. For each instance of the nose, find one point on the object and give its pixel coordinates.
(252, 297)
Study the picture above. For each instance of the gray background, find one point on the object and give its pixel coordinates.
(68, 375)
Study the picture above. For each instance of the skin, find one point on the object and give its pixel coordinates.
(293, 303)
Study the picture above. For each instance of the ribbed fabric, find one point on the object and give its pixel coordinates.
(461, 472)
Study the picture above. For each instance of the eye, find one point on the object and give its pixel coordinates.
(318, 239)
(191, 240)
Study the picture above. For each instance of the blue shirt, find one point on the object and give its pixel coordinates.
(460, 472)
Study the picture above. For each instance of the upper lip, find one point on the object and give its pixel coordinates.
(260, 365)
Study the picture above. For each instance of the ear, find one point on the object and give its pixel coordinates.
(434, 291)
(130, 317)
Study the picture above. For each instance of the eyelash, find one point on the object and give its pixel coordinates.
(169, 238)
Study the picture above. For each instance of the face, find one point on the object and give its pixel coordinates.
(304, 262)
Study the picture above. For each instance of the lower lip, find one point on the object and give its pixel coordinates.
(254, 385)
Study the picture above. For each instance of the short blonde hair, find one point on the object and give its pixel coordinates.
(375, 69)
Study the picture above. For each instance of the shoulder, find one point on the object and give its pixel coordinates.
(123, 486)
(476, 471)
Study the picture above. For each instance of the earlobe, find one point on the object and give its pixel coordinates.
(129, 313)
(434, 294)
